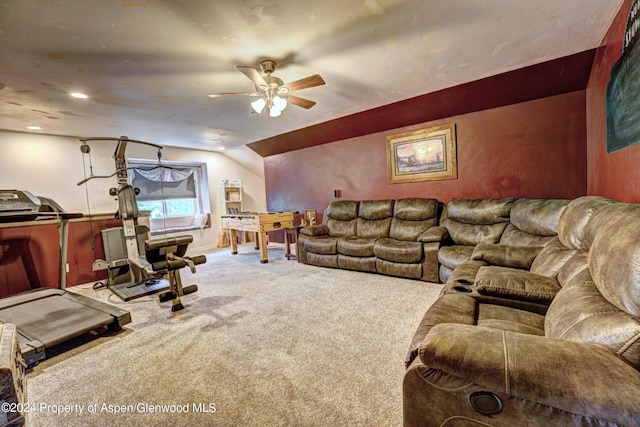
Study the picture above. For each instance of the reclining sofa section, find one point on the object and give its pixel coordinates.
(473, 362)
(393, 237)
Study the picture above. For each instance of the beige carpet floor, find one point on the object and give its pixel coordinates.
(277, 344)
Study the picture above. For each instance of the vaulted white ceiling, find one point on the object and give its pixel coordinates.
(148, 65)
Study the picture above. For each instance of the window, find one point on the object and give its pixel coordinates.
(172, 193)
(169, 208)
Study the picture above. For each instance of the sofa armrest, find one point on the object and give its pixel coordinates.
(570, 375)
(315, 230)
(434, 234)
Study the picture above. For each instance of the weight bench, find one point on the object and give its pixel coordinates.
(168, 254)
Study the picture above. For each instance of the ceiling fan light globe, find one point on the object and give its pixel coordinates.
(274, 112)
(258, 105)
(279, 103)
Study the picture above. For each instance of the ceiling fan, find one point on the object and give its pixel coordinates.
(272, 92)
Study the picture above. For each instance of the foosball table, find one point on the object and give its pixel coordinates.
(260, 224)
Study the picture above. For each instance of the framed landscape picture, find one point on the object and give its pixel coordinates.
(422, 155)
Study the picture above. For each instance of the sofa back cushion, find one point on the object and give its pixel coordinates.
(604, 306)
(613, 235)
(571, 237)
(576, 216)
(473, 221)
(533, 222)
(553, 256)
(374, 218)
(580, 313)
(412, 217)
(341, 218)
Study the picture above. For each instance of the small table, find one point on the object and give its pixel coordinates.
(288, 234)
(260, 224)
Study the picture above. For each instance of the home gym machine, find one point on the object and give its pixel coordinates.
(155, 270)
(45, 316)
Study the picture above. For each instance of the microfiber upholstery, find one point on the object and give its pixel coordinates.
(342, 218)
(575, 363)
(506, 255)
(394, 237)
(530, 276)
(412, 217)
(516, 284)
(356, 246)
(533, 222)
(470, 222)
(571, 230)
(324, 246)
(398, 250)
(374, 220)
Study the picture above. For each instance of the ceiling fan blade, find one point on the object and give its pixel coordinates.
(310, 81)
(215, 95)
(300, 102)
(253, 74)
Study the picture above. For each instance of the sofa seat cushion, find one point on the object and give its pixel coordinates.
(517, 284)
(399, 269)
(510, 319)
(322, 260)
(355, 246)
(551, 258)
(358, 263)
(324, 245)
(398, 250)
(453, 256)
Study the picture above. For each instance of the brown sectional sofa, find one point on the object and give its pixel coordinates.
(507, 221)
(391, 237)
(412, 238)
(538, 322)
(483, 355)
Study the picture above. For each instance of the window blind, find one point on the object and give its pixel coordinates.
(165, 183)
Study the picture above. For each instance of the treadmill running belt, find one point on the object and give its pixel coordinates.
(52, 322)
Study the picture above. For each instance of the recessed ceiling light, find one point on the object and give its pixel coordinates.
(79, 95)
(34, 127)
(221, 148)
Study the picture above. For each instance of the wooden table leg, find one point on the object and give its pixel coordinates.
(262, 242)
(256, 240)
(287, 244)
(234, 243)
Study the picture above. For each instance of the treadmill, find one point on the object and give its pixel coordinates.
(45, 317)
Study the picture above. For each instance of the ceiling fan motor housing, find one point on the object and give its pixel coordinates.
(268, 66)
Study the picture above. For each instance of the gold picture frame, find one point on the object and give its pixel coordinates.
(422, 155)
(310, 217)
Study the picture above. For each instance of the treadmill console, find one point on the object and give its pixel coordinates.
(19, 205)
(18, 201)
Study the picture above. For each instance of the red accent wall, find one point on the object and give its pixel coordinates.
(614, 175)
(532, 149)
(80, 255)
(29, 258)
(29, 255)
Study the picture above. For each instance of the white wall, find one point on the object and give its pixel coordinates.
(51, 166)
